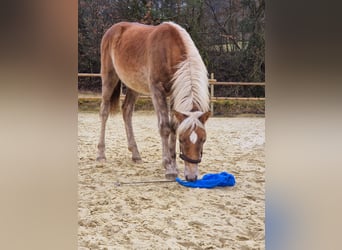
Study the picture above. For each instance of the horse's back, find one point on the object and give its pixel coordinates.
(143, 39)
(142, 54)
(127, 38)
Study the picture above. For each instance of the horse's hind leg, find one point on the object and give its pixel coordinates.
(110, 100)
(127, 112)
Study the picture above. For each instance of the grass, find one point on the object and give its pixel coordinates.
(239, 107)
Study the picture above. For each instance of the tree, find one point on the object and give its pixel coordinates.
(229, 34)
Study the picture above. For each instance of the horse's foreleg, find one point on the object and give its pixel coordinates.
(160, 105)
(172, 140)
(127, 112)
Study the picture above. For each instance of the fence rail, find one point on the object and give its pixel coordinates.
(89, 75)
(236, 83)
(212, 83)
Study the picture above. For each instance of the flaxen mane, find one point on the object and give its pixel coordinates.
(191, 122)
(190, 87)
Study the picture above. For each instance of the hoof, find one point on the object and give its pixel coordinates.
(137, 160)
(171, 174)
(101, 159)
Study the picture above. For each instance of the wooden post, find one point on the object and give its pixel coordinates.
(212, 79)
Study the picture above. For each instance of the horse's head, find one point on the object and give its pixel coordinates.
(191, 135)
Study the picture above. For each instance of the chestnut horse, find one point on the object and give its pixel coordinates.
(161, 61)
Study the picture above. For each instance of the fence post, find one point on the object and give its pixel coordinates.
(211, 80)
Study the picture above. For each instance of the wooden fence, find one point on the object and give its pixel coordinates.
(212, 83)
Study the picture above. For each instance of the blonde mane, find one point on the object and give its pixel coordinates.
(191, 122)
(190, 81)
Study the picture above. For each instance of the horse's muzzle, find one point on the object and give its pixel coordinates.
(191, 179)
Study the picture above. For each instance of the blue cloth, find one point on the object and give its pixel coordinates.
(222, 179)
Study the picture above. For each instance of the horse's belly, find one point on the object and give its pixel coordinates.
(136, 80)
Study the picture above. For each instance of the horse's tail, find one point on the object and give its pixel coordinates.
(111, 85)
(115, 99)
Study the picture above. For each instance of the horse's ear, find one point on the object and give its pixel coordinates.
(203, 118)
(179, 116)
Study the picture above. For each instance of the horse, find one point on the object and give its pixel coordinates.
(161, 61)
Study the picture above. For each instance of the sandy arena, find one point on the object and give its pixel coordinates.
(168, 215)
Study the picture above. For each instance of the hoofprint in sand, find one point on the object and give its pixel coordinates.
(168, 215)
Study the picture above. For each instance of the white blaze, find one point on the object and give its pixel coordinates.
(193, 137)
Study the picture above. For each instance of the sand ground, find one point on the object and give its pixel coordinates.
(168, 215)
